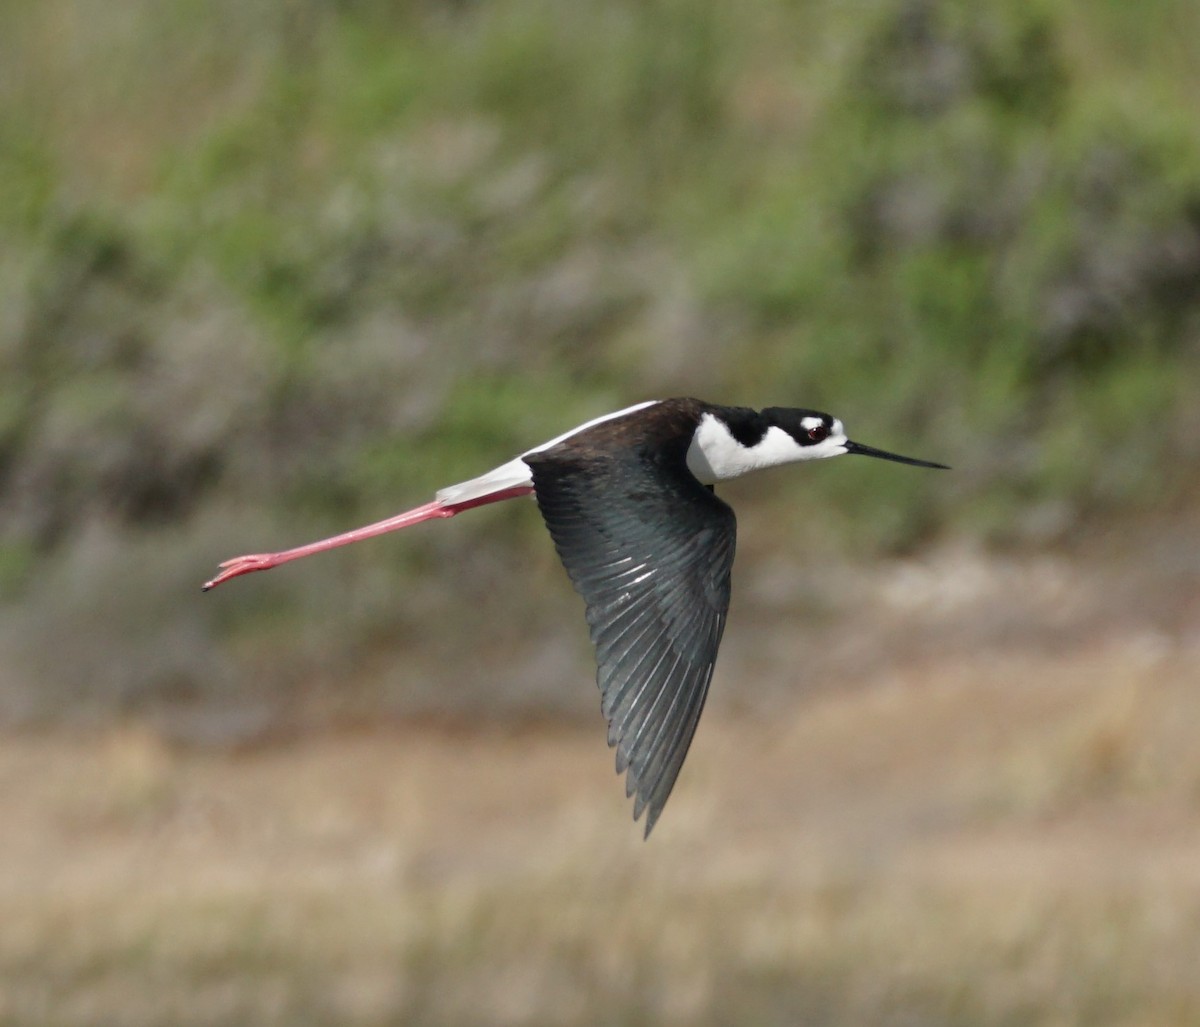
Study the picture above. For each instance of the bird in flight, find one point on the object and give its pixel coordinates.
(629, 502)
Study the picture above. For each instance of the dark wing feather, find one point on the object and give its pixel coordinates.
(650, 550)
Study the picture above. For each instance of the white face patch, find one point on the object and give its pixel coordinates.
(833, 445)
(715, 455)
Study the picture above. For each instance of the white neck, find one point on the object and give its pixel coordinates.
(715, 455)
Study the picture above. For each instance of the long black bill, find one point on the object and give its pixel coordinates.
(855, 447)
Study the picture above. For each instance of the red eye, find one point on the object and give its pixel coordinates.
(818, 433)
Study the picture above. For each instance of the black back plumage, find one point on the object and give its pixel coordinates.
(650, 550)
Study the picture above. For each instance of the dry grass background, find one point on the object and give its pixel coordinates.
(998, 830)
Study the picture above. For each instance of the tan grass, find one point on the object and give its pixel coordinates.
(1003, 843)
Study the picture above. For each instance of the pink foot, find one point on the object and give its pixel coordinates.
(241, 565)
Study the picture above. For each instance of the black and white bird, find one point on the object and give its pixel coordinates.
(629, 502)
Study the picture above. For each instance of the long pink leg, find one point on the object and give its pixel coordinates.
(265, 561)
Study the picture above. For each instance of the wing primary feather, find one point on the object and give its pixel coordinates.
(633, 710)
(659, 776)
(652, 749)
(648, 718)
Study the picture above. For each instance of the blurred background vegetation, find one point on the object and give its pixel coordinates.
(271, 268)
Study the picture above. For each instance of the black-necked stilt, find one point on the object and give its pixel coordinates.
(629, 501)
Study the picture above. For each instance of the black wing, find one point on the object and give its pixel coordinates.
(650, 550)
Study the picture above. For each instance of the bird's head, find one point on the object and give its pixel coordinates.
(818, 435)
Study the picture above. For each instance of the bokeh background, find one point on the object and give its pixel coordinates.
(273, 268)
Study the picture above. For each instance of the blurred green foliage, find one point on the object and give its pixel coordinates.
(316, 259)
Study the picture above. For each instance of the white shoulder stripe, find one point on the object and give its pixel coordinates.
(591, 424)
(516, 472)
